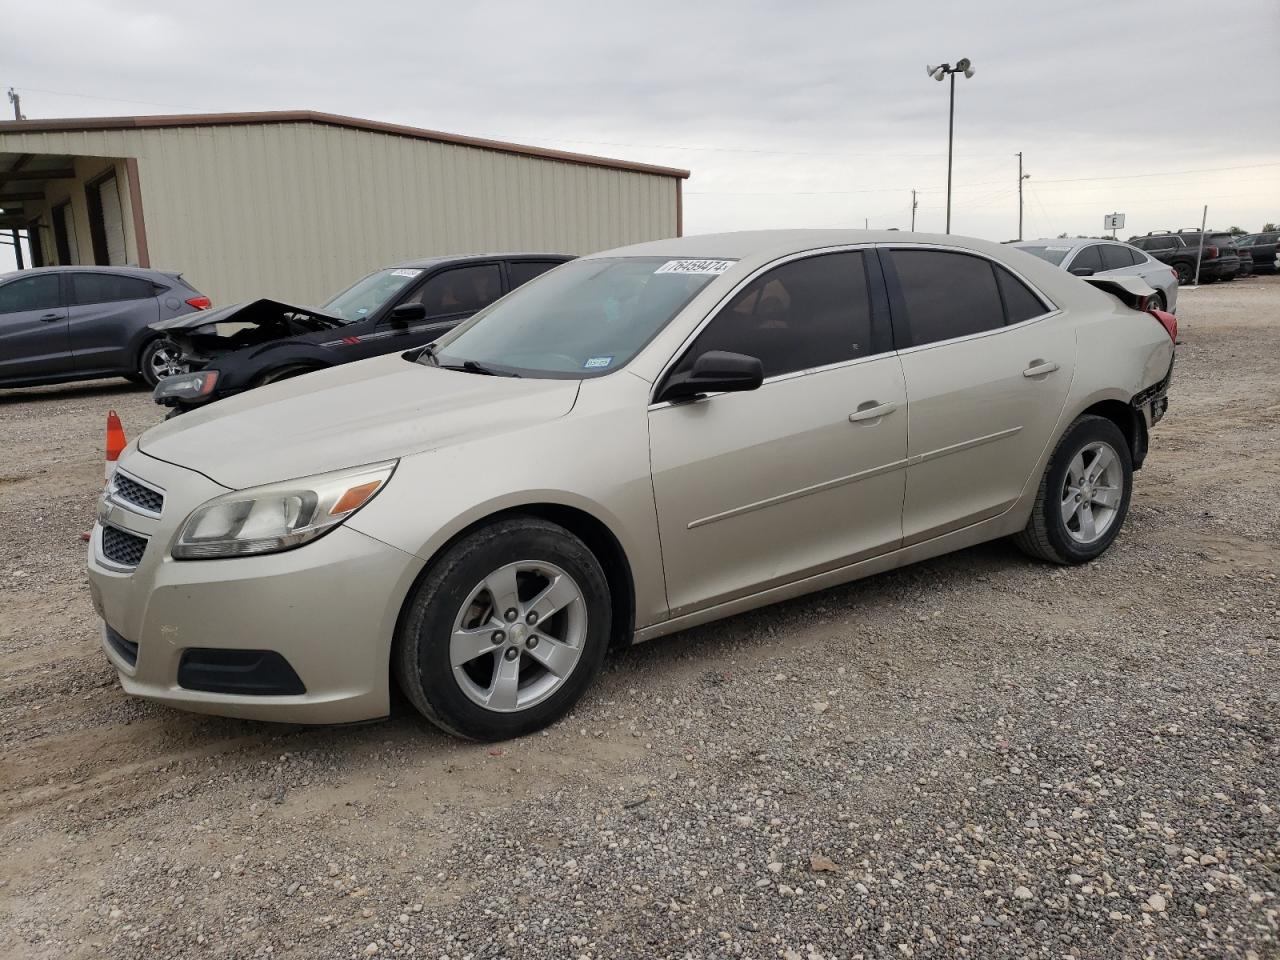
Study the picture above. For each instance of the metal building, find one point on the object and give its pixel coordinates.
(297, 204)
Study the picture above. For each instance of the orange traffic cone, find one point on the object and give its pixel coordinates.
(115, 442)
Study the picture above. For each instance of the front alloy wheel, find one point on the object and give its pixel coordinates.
(160, 358)
(491, 647)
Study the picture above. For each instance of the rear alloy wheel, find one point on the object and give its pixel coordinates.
(160, 358)
(1083, 497)
(505, 631)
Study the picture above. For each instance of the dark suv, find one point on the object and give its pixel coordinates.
(1219, 261)
(79, 323)
(1262, 247)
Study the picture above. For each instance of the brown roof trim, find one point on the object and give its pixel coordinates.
(329, 119)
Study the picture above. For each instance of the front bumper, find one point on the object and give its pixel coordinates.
(329, 608)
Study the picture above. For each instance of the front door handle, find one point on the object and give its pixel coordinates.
(1039, 368)
(50, 317)
(872, 410)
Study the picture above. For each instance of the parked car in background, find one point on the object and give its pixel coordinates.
(79, 323)
(1085, 257)
(638, 442)
(1218, 261)
(1262, 248)
(406, 305)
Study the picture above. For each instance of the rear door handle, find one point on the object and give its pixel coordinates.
(871, 410)
(50, 317)
(1039, 368)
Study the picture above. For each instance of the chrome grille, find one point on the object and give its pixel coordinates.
(127, 489)
(121, 547)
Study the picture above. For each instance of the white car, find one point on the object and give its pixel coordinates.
(631, 444)
(1087, 257)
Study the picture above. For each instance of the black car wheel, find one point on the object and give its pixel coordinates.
(1083, 496)
(160, 358)
(1184, 271)
(505, 631)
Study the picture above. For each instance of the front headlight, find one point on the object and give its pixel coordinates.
(278, 516)
(191, 387)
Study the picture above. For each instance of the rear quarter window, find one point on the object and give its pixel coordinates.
(88, 288)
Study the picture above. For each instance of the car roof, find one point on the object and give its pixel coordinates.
(1069, 242)
(427, 262)
(159, 276)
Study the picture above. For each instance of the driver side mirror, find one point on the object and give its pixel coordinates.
(716, 371)
(407, 313)
(1082, 271)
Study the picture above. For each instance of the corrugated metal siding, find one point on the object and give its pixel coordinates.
(299, 210)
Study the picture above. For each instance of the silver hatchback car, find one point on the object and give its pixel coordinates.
(634, 443)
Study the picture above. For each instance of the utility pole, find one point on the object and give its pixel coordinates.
(1020, 179)
(914, 204)
(17, 115)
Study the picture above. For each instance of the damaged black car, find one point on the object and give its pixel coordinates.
(232, 349)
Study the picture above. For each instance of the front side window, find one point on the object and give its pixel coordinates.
(1115, 257)
(367, 295)
(804, 314)
(585, 319)
(947, 294)
(30, 293)
(87, 288)
(1088, 257)
(461, 290)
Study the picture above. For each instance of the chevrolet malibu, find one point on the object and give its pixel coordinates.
(631, 444)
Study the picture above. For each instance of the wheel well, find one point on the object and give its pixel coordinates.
(598, 538)
(1129, 421)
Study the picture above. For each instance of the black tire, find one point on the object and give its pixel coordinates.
(284, 373)
(421, 655)
(1046, 535)
(1158, 302)
(1185, 272)
(147, 360)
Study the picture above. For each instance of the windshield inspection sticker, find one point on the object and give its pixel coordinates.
(403, 272)
(596, 363)
(714, 267)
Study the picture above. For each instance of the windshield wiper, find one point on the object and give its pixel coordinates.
(471, 366)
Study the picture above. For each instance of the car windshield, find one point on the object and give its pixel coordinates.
(1054, 254)
(584, 319)
(366, 296)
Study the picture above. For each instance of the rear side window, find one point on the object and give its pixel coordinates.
(1088, 257)
(1114, 257)
(89, 288)
(1019, 302)
(461, 290)
(804, 314)
(31, 293)
(522, 271)
(947, 294)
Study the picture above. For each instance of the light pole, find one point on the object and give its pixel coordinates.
(963, 65)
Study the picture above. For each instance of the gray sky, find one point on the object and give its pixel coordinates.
(788, 114)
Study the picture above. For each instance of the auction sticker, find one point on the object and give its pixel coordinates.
(405, 272)
(714, 267)
(596, 363)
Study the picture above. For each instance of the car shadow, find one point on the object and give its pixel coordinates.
(85, 389)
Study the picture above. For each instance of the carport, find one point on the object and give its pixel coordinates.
(74, 209)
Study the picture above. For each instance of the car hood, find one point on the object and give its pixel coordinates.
(205, 334)
(357, 413)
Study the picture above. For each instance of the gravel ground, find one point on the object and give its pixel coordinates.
(979, 756)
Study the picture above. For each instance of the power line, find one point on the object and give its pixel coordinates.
(1165, 173)
(89, 96)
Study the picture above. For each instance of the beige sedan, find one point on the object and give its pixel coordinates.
(636, 442)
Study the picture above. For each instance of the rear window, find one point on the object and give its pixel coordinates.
(1221, 239)
(1053, 254)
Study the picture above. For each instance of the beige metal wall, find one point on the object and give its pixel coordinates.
(298, 210)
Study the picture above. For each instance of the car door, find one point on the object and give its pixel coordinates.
(987, 373)
(447, 296)
(106, 312)
(33, 329)
(804, 474)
